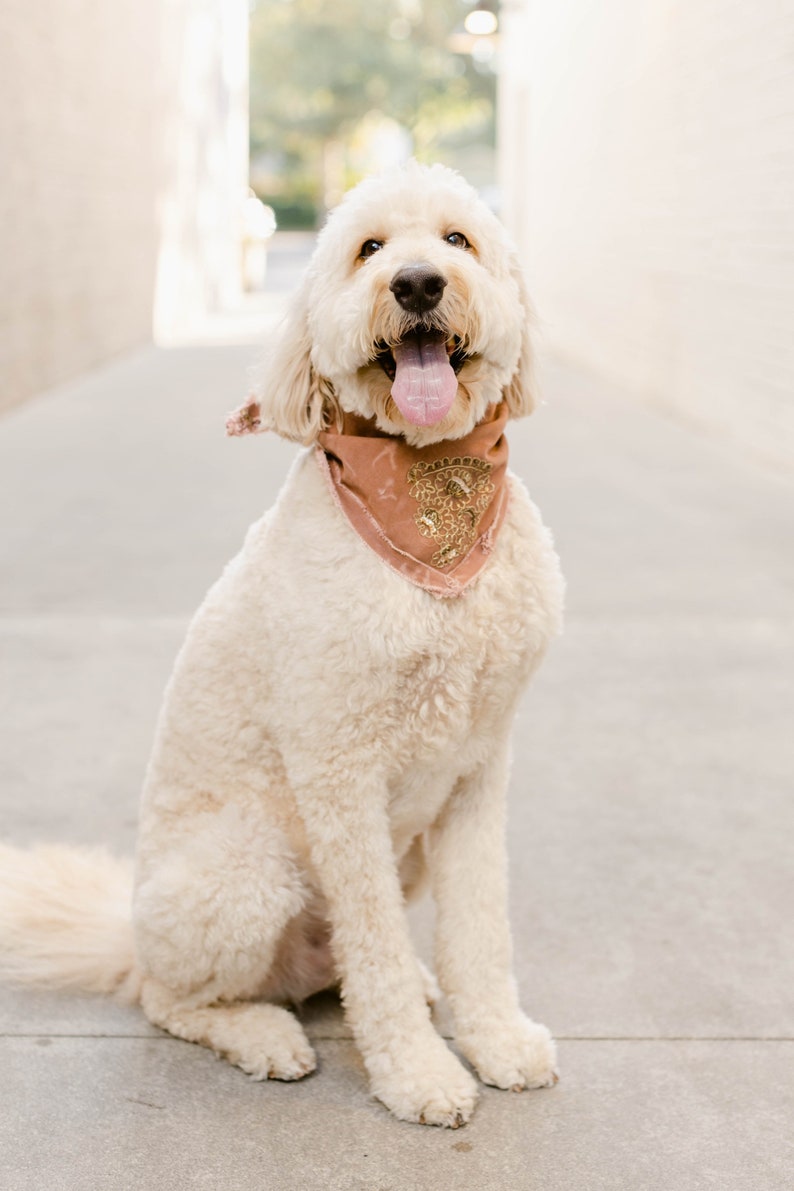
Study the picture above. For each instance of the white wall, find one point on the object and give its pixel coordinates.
(203, 122)
(648, 162)
(78, 188)
(123, 158)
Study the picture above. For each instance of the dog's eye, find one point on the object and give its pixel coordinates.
(370, 247)
(457, 240)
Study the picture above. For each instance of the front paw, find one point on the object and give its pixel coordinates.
(514, 1054)
(424, 1084)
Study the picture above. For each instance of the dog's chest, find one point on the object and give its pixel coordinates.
(447, 707)
(358, 654)
(455, 685)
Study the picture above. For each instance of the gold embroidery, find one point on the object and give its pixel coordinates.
(452, 495)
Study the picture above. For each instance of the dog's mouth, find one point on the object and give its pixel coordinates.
(423, 367)
(455, 353)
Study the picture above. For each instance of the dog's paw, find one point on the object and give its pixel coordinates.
(427, 1086)
(517, 1054)
(279, 1062)
(282, 1052)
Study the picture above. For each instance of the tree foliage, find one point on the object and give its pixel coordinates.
(319, 69)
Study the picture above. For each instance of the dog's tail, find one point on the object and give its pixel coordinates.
(66, 920)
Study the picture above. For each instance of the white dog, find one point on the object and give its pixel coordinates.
(336, 727)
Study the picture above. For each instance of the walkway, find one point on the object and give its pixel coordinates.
(652, 811)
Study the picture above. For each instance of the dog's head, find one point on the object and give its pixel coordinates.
(413, 311)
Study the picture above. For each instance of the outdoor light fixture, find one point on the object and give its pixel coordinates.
(476, 36)
(480, 22)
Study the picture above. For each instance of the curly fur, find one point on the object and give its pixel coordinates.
(332, 736)
(344, 308)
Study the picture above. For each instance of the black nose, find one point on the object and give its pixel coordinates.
(418, 288)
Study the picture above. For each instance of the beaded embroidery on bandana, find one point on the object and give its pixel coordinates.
(429, 514)
(453, 494)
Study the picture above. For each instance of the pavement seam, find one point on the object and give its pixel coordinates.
(449, 1037)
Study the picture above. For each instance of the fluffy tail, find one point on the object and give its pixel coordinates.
(66, 920)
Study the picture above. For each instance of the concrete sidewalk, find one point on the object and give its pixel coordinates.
(652, 889)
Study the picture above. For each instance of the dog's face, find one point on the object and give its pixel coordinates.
(412, 311)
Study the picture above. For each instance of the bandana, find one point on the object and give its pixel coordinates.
(430, 513)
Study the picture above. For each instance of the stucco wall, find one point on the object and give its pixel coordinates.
(203, 122)
(78, 204)
(647, 152)
(123, 151)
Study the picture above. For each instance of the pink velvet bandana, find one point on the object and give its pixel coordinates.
(431, 513)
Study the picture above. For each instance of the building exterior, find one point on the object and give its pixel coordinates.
(123, 140)
(647, 151)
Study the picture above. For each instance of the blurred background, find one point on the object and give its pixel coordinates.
(165, 164)
(640, 151)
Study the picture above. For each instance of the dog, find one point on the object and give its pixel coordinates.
(335, 734)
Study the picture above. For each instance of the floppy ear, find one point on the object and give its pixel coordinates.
(520, 393)
(294, 400)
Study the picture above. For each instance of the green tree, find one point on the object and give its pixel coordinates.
(320, 70)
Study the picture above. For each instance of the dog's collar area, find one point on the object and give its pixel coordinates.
(430, 513)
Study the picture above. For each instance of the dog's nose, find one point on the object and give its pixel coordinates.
(418, 288)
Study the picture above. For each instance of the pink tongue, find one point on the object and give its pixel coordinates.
(425, 384)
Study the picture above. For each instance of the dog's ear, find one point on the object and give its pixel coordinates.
(520, 393)
(294, 400)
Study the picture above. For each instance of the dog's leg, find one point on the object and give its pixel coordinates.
(209, 913)
(264, 1040)
(412, 1071)
(473, 945)
(429, 984)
